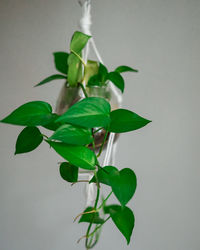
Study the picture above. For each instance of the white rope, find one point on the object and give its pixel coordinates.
(85, 25)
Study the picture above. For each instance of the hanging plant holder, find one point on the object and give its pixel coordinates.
(87, 119)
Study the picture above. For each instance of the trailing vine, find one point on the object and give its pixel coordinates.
(74, 134)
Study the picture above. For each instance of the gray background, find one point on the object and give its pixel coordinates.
(161, 39)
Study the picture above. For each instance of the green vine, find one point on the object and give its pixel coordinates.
(75, 130)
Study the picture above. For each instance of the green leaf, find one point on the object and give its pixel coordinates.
(117, 79)
(90, 112)
(78, 41)
(123, 218)
(30, 114)
(68, 172)
(60, 60)
(90, 70)
(103, 72)
(29, 139)
(100, 78)
(74, 69)
(123, 120)
(71, 134)
(77, 155)
(103, 175)
(50, 78)
(52, 124)
(91, 217)
(122, 69)
(123, 184)
(94, 81)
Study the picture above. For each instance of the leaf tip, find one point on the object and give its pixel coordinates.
(128, 240)
(149, 121)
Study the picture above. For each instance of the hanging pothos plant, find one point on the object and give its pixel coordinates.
(74, 132)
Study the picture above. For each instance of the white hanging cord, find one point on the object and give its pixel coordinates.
(85, 24)
(109, 149)
(114, 150)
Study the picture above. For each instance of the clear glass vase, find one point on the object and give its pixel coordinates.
(70, 95)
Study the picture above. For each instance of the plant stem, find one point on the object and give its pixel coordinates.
(97, 228)
(88, 246)
(89, 212)
(45, 136)
(83, 89)
(95, 206)
(97, 130)
(93, 143)
(101, 148)
(104, 201)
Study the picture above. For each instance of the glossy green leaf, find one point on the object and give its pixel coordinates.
(29, 139)
(91, 217)
(78, 41)
(60, 60)
(117, 79)
(103, 175)
(90, 112)
(51, 78)
(68, 172)
(30, 114)
(52, 124)
(71, 134)
(77, 155)
(123, 120)
(90, 70)
(123, 184)
(123, 218)
(74, 70)
(122, 69)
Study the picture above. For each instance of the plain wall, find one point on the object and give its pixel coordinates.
(161, 39)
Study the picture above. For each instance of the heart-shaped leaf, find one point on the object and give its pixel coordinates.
(71, 134)
(122, 69)
(30, 114)
(103, 175)
(78, 41)
(60, 60)
(91, 217)
(123, 184)
(29, 139)
(51, 78)
(76, 155)
(68, 172)
(117, 79)
(123, 218)
(123, 120)
(90, 112)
